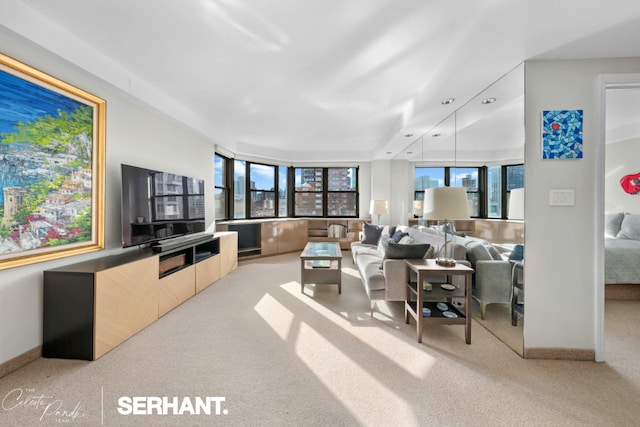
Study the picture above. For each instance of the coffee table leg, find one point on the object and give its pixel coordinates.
(339, 276)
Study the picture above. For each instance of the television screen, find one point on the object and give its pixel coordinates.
(159, 205)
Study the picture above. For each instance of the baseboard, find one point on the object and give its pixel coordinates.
(559, 354)
(20, 361)
(628, 292)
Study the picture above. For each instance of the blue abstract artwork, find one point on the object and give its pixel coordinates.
(562, 134)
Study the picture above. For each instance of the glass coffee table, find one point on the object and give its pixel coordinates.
(321, 264)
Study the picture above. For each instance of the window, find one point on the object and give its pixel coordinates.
(331, 192)
(309, 185)
(427, 178)
(239, 188)
(514, 177)
(282, 192)
(221, 187)
(494, 192)
(262, 188)
(468, 178)
(342, 196)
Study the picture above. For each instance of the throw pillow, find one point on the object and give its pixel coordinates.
(398, 235)
(398, 251)
(517, 254)
(388, 230)
(612, 223)
(401, 251)
(630, 228)
(371, 234)
(406, 240)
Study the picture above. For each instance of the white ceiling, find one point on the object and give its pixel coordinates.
(318, 80)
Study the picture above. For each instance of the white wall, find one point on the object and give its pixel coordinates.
(134, 136)
(622, 158)
(564, 244)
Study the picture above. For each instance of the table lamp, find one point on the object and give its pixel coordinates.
(446, 204)
(379, 207)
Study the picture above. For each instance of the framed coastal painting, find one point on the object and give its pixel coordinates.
(562, 134)
(52, 154)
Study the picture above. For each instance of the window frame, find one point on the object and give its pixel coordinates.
(325, 192)
(482, 188)
(224, 188)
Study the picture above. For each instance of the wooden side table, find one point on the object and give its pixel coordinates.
(429, 299)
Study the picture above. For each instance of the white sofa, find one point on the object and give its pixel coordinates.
(384, 278)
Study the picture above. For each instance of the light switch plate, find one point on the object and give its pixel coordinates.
(562, 197)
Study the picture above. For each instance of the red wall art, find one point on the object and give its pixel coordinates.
(631, 183)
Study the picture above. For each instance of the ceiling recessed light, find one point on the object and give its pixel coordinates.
(488, 100)
(389, 152)
(408, 135)
(409, 152)
(435, 135)
(447, 101)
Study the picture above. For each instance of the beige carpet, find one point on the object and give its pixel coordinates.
(282, 358)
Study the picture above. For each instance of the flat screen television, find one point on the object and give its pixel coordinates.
(159, 205)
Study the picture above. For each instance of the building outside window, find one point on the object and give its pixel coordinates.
(342, 196)
(239, 188)
(309, 185)
(326, 192)
(427, 177)
(282, 192)
(494, 192)
(262, 180)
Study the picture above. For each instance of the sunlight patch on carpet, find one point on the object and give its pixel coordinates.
(409, 356)
(328, 363)
(351, 272)
(276, 315)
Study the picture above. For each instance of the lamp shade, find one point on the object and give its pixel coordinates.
(417, 207)
(516, 204)
(378, 207)
(448, 203)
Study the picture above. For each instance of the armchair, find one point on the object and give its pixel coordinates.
(492, 277)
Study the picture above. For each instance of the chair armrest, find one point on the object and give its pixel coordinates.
(493, 280)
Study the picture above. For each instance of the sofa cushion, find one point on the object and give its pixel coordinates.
(477, 252)
(612, 223)
(370, 267)
(495, 253)
(371, 234)
(630, 227)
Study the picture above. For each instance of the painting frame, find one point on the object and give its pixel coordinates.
(562, 134)
(52, 167)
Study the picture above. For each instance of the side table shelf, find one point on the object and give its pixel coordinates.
(416, 298)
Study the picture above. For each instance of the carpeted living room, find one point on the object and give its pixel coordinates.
(282, 357)
(190, 190)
